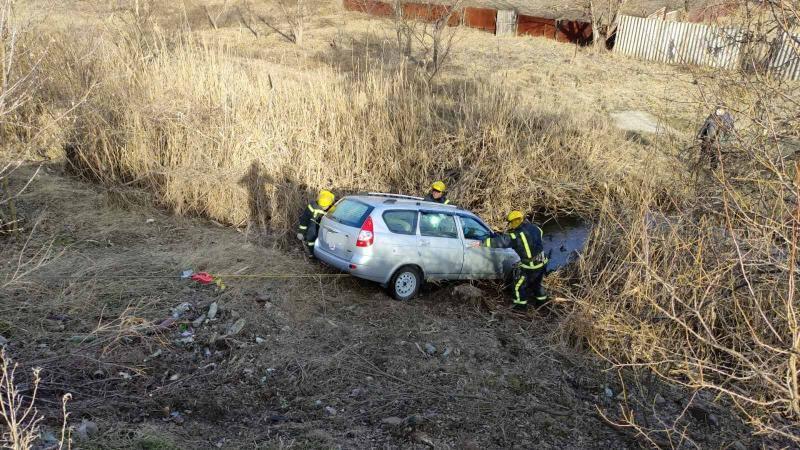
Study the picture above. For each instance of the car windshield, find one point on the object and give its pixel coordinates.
(351, 212)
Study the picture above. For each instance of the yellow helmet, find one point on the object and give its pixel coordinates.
(515, 215)
(325, 198)
(439, 186)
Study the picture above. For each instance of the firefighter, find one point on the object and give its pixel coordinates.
(438, 193)
(309, 220)
(526, 239)
(717, 125)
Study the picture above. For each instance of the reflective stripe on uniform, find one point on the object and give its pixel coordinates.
(525, 243)
(315, 211)
(513, 235)
(303, 227)
(532, 266)
(517, 300)
(544, 297)
(447, 202)
(488, 242)
(310, 244)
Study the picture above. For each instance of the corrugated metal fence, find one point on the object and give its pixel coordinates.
(502, 22)
(678, 42)
(786, 60)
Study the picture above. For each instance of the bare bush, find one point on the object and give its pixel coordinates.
(701, 286)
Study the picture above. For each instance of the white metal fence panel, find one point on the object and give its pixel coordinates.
(678, 42)
(786, 60)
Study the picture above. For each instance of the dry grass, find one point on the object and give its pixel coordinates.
(692, 275)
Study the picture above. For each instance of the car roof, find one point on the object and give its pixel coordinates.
(392, 201)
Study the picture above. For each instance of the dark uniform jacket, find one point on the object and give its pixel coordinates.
(309, 221)
(715, 126)
(526, 240)
(443, 199)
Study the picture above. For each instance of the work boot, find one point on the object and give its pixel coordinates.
(520, 307)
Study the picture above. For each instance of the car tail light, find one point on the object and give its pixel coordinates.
(366, 237)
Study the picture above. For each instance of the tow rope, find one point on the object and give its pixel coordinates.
(204, 278)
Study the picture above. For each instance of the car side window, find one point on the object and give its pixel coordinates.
(473, 229)
(438, 225)
(401, 222)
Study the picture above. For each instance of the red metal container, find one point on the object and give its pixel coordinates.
(371, 7)
(431, 13)
(481, 18)
(536, 26)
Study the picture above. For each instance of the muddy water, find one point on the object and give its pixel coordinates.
(564, 237)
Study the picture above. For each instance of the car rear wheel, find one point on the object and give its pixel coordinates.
(405, 283)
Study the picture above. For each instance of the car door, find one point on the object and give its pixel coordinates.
(479, 262)
(441, 250)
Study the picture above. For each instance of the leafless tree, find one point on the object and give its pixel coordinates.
(603, 15)
(428, 41)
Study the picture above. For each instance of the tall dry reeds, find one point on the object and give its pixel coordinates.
(239, 140)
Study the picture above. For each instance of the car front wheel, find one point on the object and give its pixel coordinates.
(405, 283)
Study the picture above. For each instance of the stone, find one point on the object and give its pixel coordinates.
(447, 352)
(330, 411)
(392, 421)
(320, 435)
(737, 445)
(3, 341)
(543, 419)
(199, 321)
(236, 328)
(48, 439)
(467, 293)
(471, 444)
(260, 340)
(422, 438)
(430, 349)
(608, 392)
(87, 429)
(177, 417)
(212, 311)
(166, 323)
(357, 392)
(713, 420)
(54, 325)
(659, 399)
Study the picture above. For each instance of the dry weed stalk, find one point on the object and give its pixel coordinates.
(20, 416)
(18, 410)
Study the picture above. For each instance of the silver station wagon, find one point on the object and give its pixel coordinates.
(401, 241)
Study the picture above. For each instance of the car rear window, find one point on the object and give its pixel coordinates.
(401, 222)
(438, 225)
(351, 213)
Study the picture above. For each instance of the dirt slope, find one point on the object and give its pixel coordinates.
(318, 362)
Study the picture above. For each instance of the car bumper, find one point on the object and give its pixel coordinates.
(354, 267)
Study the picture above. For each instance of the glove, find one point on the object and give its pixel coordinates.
(299, 236)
